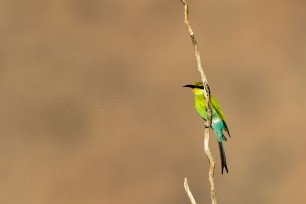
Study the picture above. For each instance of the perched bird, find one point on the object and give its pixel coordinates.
(218, 123)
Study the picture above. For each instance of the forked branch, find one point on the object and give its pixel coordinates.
(209, 114)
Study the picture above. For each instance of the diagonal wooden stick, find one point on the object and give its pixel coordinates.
(209, 114)
(191, 198)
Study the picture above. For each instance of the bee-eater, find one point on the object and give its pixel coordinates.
(218, 123)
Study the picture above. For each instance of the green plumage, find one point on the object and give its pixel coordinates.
(218, 120)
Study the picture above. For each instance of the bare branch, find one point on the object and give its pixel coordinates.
(192, 200)
(209, 111)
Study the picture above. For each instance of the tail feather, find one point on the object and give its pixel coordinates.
(222, 157)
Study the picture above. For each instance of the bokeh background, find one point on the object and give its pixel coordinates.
(92, 108)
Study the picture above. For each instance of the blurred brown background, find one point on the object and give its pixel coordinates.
(93, 110)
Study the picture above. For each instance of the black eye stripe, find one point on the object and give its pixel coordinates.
(197, 87)
(194, 86)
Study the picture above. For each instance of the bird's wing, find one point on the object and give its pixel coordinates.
(220, 113)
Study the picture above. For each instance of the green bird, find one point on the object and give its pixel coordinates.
(218, 123)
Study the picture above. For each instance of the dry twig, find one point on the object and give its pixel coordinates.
(209, 114)
(192, 200)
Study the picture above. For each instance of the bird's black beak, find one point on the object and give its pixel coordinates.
(189, 86)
